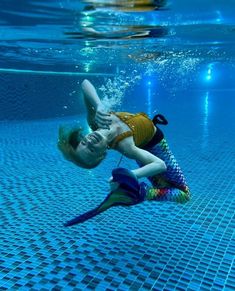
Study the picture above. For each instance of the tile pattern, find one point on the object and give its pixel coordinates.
(151, 246)
(38, 96)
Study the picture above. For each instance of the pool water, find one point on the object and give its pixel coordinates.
(184, 71)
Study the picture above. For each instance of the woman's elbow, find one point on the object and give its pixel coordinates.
(163, 166)
(84, 81)
(84, 84)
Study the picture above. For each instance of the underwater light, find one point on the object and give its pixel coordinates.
(209, 73)
(87, 67)
(205, 120)
(219, 16)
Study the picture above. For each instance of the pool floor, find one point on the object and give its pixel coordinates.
(151, 246)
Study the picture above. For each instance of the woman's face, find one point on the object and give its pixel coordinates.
(92, 147)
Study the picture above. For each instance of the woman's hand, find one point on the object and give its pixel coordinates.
(102, 118)
(113, 185)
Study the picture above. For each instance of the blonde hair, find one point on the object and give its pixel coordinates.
(67, 143)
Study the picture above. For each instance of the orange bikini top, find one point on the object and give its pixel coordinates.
(141, 128)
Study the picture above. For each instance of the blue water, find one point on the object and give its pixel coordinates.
(187, 74)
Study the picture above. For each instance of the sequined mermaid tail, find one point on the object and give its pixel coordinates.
(170, 185)
(168, 194)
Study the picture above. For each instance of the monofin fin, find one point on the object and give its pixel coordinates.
(128, 193)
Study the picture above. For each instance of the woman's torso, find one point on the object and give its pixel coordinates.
(139, 126)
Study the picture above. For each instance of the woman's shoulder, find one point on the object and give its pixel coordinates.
(125, 144)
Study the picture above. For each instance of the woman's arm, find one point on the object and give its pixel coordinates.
(96, 115)
(152, 164)
(91, 99)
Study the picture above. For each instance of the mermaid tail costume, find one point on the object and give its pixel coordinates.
(167, 186)
(170, 185)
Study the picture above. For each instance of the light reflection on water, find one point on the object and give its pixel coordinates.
(127, 39)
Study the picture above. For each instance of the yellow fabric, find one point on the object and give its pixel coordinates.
(141, 128)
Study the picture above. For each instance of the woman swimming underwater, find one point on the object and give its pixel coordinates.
(135, 136)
